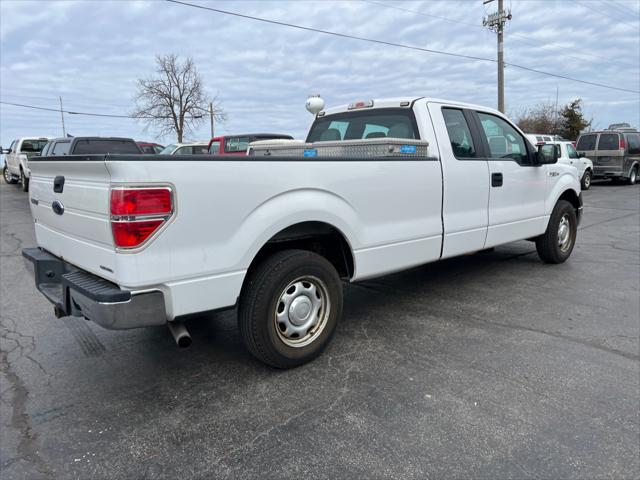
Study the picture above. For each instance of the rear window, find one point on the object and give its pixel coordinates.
(99, 147)
(608, 141)
(587, 142)
(237, 144)
(33, 146)
(365, 124)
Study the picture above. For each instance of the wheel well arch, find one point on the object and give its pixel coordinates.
(570, 196)
(319, 237)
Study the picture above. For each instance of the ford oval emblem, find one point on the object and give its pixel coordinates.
(57, 207)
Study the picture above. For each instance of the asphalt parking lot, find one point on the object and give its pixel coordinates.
(487, 366)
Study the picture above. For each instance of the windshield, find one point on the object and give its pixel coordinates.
(168, 150)
(357, 125)
(33, 146)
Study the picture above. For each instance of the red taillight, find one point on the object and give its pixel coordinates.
(622, 144)
(142, 201)
(132, 234)
(137, 213)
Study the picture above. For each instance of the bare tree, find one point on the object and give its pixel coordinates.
(174, 100)
(543, 118)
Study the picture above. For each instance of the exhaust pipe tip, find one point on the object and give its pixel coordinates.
(180, 334)
(184, 341)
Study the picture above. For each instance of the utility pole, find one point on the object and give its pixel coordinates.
(495, 22)
(64, 133)
(211, 116)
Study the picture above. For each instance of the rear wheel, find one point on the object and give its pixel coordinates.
(633, 178)
(556, 244)
(8, 178)
(289, 308)
(24, 181)
(586, 180)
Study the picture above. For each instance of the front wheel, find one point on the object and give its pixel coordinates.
(24, 181)
(8, 178)
(586, 180)
(290, 307)
(556, 244)
(633, 178)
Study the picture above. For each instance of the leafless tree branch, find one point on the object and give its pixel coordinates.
(174, 101)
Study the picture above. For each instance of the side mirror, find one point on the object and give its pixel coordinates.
(5, 151)
(547, 154)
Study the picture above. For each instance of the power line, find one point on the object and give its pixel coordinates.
(89, 114)
(513, 36)
(68, 111)
(617, 19)
(393, 44)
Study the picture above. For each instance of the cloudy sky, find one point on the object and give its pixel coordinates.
(92, 52)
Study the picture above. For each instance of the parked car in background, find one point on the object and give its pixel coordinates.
(192, 148)
(90, 146)
(418, 180)
(238, 144)
(615, 154)
(621, 127)
(17, 156)
(539, 138)
(150, 148)
(568, 154)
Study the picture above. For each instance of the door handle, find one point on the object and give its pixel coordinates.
(496, 179)
(58, 184)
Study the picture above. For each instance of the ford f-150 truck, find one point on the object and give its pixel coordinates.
(130, 241)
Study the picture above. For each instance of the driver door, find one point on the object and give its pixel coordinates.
(518, 186)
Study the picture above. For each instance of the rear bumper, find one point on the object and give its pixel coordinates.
(75, 292)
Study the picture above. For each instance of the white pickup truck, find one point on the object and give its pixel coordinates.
(16, 166)
(130, 241)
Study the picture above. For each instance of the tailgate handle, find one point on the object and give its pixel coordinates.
(58, 184)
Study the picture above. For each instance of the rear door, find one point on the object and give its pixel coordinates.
(609, 156)
(518, 186)
(70, 207)
(466, 180)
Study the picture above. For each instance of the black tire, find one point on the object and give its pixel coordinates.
(263, 295)
(8, 178)
(585, 183)
(24, 181)
(548, 244)
(633, 177)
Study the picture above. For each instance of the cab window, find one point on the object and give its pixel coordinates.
(504, 141)
(571, 151)
(459, 133)
(214, 148)
(60, 148)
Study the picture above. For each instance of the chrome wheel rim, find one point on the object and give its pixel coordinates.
(7, 175)
(633, 176)
(302, 311)
(587, 180)
(564, 233)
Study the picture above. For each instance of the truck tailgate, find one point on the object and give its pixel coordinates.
(72, 217)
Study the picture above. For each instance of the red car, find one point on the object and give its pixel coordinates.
(151, 148)
(238, 144)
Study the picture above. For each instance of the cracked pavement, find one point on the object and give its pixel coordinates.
(486, 366)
